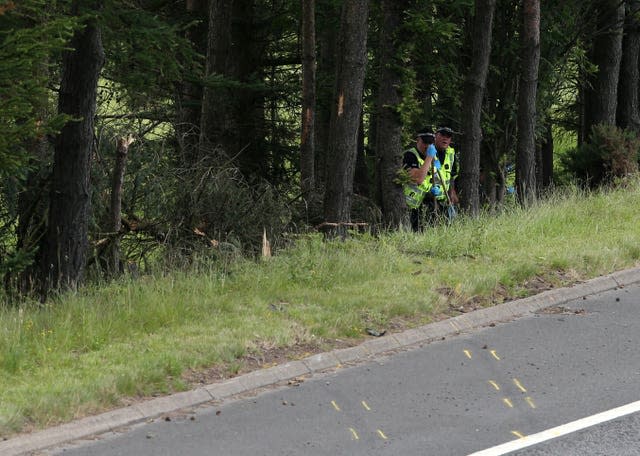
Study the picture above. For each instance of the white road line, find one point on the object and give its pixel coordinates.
(559, 431)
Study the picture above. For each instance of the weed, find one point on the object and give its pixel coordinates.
(88, 351)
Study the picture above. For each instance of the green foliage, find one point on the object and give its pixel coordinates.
(155, 54)
(564, 59)
(29, 36)
(32, 37)
(89, 351)
(434, 38)
(148, 53)
(609, 154)
(402, 177)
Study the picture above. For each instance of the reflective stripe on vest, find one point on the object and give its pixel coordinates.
(444, 175)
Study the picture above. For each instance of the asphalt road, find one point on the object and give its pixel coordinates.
(614, 438)
(470, 392)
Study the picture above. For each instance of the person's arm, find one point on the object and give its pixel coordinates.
(419, 174)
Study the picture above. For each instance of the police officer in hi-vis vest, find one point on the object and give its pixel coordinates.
(432, 168)
(418, 161)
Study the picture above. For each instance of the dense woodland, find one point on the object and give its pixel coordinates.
(138, 134)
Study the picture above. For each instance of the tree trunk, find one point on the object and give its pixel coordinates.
(346, 110)
(473, 96)
(307, 137)
(361, 174)
(188, 97)
(233, 110)
(115, 213)
(601, 95)
(389, 126)
(628, 113)
(327, 44)
(248, 113)
(214, 120)
(526, 144)
(66, 244)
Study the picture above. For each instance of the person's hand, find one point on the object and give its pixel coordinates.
(436, 164)
(431, 151)
(436, 190)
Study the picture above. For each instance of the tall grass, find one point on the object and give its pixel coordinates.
(99, 348)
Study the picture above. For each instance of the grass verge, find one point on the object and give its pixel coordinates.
(102, 348)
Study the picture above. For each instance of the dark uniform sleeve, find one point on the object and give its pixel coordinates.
(409, 160)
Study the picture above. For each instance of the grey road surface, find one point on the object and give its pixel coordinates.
(614, 438)
(469, 392)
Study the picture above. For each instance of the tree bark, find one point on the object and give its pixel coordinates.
(214, 120)
(249, 130)
(232, 110)
(389, 126)
(473, 95)
(346, 111)
(361, 173)
(526, 187)
(307, 137)
(628, 110)
(327, 13)
(601, 94)
(188, 97)
(66, 243)
(115, 212)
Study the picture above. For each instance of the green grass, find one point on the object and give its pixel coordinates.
(96, 349)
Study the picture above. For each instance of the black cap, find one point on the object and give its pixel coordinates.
(426, 134)
(445, 130)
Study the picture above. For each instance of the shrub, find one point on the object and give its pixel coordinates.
(609, 154)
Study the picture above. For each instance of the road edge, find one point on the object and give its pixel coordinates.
(148, 410)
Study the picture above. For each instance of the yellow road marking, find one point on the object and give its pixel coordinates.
(495, 385)
(354, 434)
(335, 406)
(495, 355)
(519, 385)
(468, 353)
(508, 402)
(381, 434)
(518, 434)
(530, 402)
(366, 406)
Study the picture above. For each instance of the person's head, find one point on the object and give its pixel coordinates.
(423, 138)
(443, 138)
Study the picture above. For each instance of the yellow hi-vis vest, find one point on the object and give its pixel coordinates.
(443, 176)
(414, 193)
